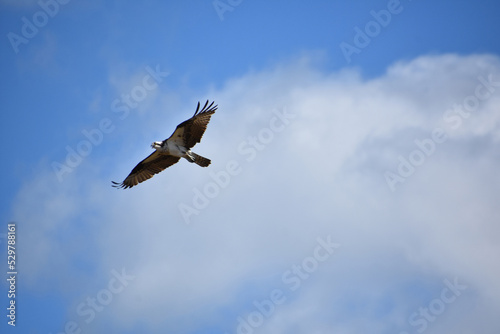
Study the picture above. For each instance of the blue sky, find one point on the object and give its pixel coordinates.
(348, 193)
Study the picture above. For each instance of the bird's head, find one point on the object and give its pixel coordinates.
(156, 144)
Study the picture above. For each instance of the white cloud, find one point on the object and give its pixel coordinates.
(323, 174)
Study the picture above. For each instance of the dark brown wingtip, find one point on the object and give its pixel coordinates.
(119, 185)
(206, 103)
(206, 108)
(197, 108)
(209, 108)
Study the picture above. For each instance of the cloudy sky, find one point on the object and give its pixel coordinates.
(354, 180)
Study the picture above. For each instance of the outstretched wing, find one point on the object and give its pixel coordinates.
(146, 169)
(189, 132)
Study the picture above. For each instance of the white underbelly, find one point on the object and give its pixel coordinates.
(176, 151)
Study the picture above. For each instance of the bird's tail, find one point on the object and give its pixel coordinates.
(199, 160)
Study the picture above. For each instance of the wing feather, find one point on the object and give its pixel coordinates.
(190, 132)
(146, 169)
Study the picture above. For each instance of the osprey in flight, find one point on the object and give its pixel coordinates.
(178, 145)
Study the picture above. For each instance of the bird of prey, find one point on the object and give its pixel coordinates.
(178, 145)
